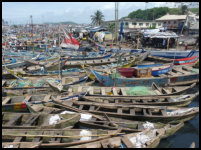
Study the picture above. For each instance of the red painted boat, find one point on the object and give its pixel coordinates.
(186, 61)
(126, 72)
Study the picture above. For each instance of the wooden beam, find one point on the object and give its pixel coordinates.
(6, 100)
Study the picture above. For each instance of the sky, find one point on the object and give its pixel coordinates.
(78, 12)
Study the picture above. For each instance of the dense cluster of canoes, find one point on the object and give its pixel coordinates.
(109, 101)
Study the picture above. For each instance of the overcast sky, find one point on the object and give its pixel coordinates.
(79, 12)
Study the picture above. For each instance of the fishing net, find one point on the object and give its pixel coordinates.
(140, 90)
(116, 75)
(195, 70)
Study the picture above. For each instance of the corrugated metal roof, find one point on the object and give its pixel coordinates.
(172, 17)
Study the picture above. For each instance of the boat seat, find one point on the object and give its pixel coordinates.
(165, 91)
(132, 111)
(149, 111)
(31, 120)
(114, 92)
(144, 112)
(28, 98)
(19, 138)
(13, 120)
(6, 100)
(91, 108)
(163, 111)
(127, 142)
(55, 139)
(79, 89)
(37, 139)
(81, 107)
(102, 90)
(123, 92)
(133, 101)
(162, 75)
(144, 101)
(106, 101)
(116, 101)
(91, 92)
(3, 83)
(157, 92)
(119, 110)
(47, 98)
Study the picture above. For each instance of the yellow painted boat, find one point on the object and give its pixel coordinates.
(92, 76)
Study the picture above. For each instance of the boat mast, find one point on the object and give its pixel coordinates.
(32, 34)
(60, 71)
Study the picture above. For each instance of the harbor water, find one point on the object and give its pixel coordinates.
(187, 134)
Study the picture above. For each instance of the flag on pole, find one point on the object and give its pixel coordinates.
(121, 30)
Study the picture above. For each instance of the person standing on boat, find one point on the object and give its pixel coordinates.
(186, 46)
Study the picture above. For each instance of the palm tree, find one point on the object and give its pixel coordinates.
(97, 18)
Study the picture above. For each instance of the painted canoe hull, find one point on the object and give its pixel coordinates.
(107, 80)
(186, 61)
(172, 54)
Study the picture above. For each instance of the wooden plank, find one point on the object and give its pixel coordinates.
(15, 119)
(47, 98)
(144, 111)
(3, 82)
(58, 97)
(164, 91)
(116, 101)
(91, 92)
(19, 138)
(127, 142)
(149, 111)
(37, 139)
(123, 92)
(163, 111)
(6, 100)
(106, 101)
(162, 75)
(119, 110)
(114, 91)
(104, 145)
(133, 101)
(144, 101)
(91, 108)
(55, 140)
(103, 91)
(132, 111)
(81, 107)
(28, 98)
(79, 89)
(31, 120)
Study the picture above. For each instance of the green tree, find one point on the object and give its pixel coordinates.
(97, 18)
(184, 9)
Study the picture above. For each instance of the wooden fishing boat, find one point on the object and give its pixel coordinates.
(18, 103)
(58, 137)
(21, 144)
(135, 112)
(151, 140)
(33, 82)
(91, 58)
(128, 92)
(173, 100)
(125, 57)
(42, 120)
(178, 76)
(186, 61)
(157, 69)
(91, 75)
(171, 54)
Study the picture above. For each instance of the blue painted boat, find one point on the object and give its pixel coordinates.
(177, 76)
(167, 54)
(157, 69)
